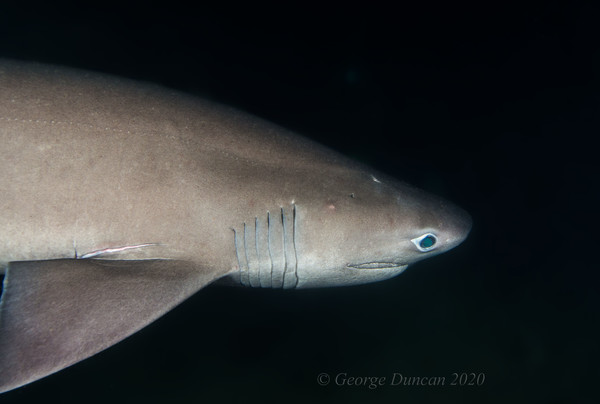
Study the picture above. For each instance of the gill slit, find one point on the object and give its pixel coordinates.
(294, 217)
(288, 253)
(237, 252)
(246, 254)
(285, 260)
(269, 243)
(256, 246)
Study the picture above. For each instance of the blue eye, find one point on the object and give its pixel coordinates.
(426, 242)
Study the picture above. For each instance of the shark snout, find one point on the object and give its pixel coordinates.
(459, 225)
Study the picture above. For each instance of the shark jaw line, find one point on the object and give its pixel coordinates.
(378, 265)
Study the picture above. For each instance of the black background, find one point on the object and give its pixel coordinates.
(494, 107)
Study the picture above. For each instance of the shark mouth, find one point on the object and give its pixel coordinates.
(377, 265)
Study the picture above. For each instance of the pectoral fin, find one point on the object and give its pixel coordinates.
(59, 312)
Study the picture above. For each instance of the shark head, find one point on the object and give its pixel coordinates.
(369, 228)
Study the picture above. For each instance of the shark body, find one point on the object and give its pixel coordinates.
(120, 200)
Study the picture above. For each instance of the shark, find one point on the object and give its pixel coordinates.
(121, 199)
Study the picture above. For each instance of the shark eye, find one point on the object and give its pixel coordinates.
(426, 242)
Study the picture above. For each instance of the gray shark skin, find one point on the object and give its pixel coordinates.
(120, 200)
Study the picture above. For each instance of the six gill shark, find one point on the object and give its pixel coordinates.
(120, 200)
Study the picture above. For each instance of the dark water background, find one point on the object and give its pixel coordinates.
(493, 107)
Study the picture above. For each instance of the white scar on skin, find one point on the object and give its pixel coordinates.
(375, 179)
(115, 250)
